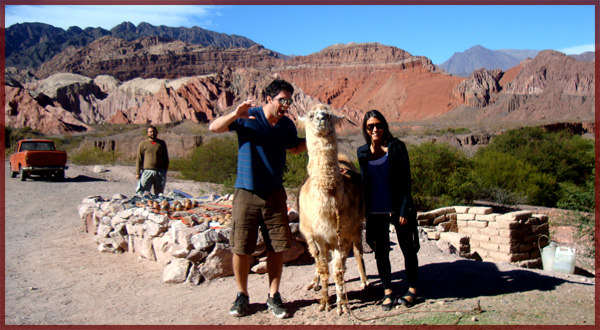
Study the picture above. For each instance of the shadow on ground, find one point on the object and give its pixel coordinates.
(79, 178)
(459, 279)
(471, 279)
(83, 178)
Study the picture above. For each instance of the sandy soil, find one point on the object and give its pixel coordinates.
(54, 274)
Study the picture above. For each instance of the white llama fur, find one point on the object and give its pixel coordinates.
(325, 195)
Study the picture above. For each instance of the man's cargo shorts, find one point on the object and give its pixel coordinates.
(268, 212)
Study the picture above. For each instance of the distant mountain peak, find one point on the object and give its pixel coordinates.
(477, 57)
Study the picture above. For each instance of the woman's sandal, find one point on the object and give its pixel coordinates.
(388, 307)
(407, 303)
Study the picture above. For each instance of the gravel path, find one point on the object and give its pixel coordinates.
(54, 274)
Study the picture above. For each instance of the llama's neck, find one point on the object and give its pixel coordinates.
(323, 167)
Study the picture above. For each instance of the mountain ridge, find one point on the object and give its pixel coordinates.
(157, 80)
(31, 44)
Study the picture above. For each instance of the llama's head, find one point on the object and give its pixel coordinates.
(320, 120)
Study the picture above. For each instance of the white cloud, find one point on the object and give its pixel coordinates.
(576, 50)
(109, 16)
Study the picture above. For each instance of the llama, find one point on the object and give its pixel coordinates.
(331, 207)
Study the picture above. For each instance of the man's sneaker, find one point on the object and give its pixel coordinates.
(240, 306)
(275, 305)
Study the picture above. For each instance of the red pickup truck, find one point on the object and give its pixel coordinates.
(39, 157)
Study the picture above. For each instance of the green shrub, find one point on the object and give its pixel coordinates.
(94, 156)
(214, 161)
(440, 175)
(566, 156)
(508, 178)
(295, 169)
(579, 198)
(450, 130)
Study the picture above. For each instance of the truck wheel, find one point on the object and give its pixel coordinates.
(59, 175)
(23, 175)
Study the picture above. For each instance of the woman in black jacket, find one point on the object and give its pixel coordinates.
(385, 171)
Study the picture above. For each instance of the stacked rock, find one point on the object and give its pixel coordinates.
(192, 244)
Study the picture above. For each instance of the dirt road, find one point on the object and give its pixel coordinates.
(54, 274)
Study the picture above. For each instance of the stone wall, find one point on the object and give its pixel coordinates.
(192, 244)
(478, 233)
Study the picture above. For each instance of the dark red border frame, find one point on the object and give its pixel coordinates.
(272, 2)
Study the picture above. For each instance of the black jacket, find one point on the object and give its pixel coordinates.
(400, 180)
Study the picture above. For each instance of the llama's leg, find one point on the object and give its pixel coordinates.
(314, 252)
(315, 283)
(339, 267)
(358, 255)
(323, 270)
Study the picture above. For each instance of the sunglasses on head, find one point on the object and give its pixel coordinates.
(283, 101)
(370, 127)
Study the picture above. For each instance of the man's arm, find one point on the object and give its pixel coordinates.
(166, 157)
(301, 147)
(140, 161)
(221, 124)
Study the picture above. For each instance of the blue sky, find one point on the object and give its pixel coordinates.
(434, 31)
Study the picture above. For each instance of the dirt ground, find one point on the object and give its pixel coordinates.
(55, 275)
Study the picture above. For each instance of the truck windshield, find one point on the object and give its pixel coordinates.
(37, 146)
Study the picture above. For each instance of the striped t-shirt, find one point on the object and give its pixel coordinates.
(262, 150)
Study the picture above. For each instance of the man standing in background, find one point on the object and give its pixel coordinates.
(152, 163)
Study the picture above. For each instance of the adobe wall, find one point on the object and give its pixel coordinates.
(478, 233)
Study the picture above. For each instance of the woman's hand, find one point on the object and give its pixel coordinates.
(402, 221)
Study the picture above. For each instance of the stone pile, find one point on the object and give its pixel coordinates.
(478, 233)
(192, 244)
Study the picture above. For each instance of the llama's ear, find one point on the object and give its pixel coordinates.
(337, 119)
(301, 121)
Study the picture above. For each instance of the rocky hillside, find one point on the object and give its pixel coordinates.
(478, 57)
(157, 80)
(31, 44)
(153, 57)
(359, 77)
(553, 87)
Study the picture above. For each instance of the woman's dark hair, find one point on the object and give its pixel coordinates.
(387, 136)
(277, 86)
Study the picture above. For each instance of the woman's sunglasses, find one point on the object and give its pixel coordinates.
(283, 101)
(379, 126)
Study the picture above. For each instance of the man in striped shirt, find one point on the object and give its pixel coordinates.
(264, 133)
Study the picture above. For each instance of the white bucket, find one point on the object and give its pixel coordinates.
(548, 256)
(564, 260)
(557, 258)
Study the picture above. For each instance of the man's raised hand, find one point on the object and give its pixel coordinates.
(242, 109)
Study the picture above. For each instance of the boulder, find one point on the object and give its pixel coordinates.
(161, 250)
(296, 251)
(208, 238)
(218, 263)
(147, 250)
(194, 275)
(259, 268)
(176, 271)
